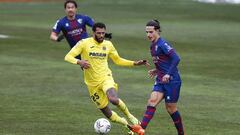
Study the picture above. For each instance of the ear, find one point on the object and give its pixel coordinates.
(157, 30)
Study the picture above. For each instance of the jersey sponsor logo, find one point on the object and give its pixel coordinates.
(79, 21)
(75, 32)
(96, 54)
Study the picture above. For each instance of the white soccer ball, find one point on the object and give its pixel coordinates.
(102, 126)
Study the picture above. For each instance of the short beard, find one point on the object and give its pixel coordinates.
(98, 40)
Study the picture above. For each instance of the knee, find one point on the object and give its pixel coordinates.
(171, 108)
(153, 102)
(112, 96)
(113, 100)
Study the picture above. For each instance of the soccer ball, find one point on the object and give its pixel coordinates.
(102, 126)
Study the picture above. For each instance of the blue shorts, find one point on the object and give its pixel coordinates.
(170, 90)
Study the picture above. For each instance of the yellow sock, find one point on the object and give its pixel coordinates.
(124, 109)
(122, 106)
(116, 118)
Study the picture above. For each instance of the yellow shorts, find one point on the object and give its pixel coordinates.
(98, 93)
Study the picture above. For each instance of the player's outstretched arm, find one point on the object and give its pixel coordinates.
(141, 62)
(124, 62)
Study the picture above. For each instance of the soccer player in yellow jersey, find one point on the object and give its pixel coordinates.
(94, 52)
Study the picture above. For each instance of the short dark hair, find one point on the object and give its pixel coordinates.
(154, 23)
(70, 1)
(98, 25)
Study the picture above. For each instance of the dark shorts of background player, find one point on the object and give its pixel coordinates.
(170, 90)
(78, 57)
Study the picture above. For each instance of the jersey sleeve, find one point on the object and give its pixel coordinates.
(168, 50)
(57, 27)
(113, 54)
(175, 59)
(75, 51)
(89, 21)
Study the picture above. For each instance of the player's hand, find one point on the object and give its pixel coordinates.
(84, 64)
(152, 73)
(60, 38)
(166, 78)
(141, 62)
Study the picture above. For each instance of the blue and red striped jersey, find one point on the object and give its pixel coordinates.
(165, 59)
(73, 30)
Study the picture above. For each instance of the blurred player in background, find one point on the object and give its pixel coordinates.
(97, 75)
(73, 25)
(168, 81)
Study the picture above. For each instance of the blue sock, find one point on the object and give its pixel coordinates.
(178, 122)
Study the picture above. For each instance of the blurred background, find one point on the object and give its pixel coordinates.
(41, 94)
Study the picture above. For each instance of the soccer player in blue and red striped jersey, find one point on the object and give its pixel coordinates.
(73, 25)
(168, 82)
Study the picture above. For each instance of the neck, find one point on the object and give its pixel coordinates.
(71, 17)
(154, 41)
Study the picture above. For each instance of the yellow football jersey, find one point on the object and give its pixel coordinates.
(97, 55)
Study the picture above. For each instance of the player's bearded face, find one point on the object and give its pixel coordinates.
(152, 34)
(99, 34)
(70, 10)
